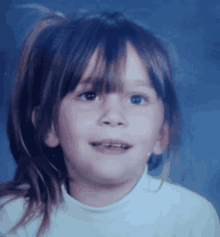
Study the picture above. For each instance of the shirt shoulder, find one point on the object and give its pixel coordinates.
(10, 213)
(187, 198)
(190, 209)
(178, 194)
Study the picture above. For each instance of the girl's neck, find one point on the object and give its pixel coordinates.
(99, 197)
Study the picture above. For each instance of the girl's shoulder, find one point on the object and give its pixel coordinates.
(185, 211)
(187, 202)
(179, 194)
(176, 193)
(10, 213)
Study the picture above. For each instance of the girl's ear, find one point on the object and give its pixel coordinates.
(162, 141)
(51, 139)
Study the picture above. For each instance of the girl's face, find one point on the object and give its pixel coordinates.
(134, 116)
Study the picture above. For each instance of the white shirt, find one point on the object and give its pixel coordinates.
(147, 211)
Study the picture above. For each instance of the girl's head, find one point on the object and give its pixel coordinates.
(127, 107)
(83, 80)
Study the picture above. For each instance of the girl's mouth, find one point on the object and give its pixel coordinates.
(111, 146)
(111, 149)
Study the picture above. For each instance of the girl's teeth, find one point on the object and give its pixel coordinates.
(108, 145)
(115, 145)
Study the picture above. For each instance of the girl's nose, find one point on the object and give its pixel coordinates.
(113, 112)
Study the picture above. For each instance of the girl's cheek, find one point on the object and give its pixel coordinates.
(86, 107)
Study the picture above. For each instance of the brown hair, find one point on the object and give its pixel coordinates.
(55, 52)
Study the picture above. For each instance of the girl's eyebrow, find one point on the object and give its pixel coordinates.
(137, 82)
(87, 83)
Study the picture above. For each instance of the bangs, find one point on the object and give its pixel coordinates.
(106, 74)
(108, 69)
(106, 46)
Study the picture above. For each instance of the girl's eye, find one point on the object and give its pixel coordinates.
(137, 99)
(89, 95)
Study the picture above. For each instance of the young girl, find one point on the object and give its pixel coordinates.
(93, 109)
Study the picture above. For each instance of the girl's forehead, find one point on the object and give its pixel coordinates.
(131, 69)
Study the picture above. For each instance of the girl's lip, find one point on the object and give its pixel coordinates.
(110, 151)
(112, 141)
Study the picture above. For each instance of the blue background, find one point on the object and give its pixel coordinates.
(191, 31)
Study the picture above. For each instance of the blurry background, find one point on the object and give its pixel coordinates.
(191, 31)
